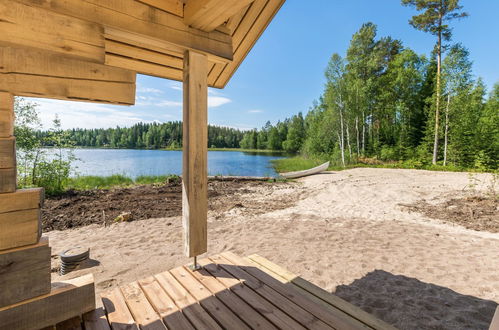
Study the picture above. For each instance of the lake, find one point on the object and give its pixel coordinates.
(133, 163)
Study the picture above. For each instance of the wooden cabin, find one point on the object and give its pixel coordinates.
(91, 51)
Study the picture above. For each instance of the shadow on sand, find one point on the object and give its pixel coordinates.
(408, 303)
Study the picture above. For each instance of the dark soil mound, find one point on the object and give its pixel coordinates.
(476, 212)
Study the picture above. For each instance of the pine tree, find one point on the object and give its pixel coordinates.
(434, 20)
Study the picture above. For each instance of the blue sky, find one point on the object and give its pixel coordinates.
(283, 73)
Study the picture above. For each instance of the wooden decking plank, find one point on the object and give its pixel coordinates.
(96, 320)
(164, 305)
(338, 319)
(268, 310)
(118, 314)
(231, 300)
(297, 288)
(210, 303)
(321, 294)
(143, 313)
(289, 314)
(288, 306)
(199, 318)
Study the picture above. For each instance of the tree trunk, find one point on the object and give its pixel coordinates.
(341, 148)
(357, 135)
(437, 104)
(363, 133)
(446, 136)
(33, 171)
(342, 138)
(348, 141)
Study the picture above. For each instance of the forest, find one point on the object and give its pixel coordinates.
(147, 136)
(385, 103)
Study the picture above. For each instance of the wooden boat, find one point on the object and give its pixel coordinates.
(299, 174)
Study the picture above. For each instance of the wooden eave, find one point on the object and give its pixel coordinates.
(146, 36)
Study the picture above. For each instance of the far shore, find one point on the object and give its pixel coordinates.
(180, 149)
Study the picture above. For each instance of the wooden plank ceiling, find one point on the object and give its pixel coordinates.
(94, 39)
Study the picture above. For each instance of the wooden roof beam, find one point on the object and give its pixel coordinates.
(207, 15)
(144, 20)
(38, 73)
(172, 6)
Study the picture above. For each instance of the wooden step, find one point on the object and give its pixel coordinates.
(67, 299)
(25, 272)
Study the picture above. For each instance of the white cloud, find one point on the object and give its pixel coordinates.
(85, 115)
(255, 111)
(168, 103)
(217, 101)
(148, 90)
(176, 85)
(215, 98)
(213, 102)
(214, 92)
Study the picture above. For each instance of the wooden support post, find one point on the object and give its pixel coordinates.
(7, 144)
(195, 154)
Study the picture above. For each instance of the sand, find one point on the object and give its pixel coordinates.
(347, 232)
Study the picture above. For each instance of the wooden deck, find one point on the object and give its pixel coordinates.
(229, 292)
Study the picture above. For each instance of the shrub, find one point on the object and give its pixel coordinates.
(388, 153)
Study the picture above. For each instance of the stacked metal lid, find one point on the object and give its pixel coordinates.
(72, 258)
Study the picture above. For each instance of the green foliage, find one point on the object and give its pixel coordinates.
(53, 174)
(36, 167)
(436, 14)
(147, 136)
(487, 132)
(151, 179)
(388, 153)
(296, 134)
(379, 102)
(288, 136)
(434, 18)
(28, 146)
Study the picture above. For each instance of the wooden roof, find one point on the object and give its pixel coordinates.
(103, 36)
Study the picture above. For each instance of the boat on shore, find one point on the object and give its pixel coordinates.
(299, 174)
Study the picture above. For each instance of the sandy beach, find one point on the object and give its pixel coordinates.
(351, 232)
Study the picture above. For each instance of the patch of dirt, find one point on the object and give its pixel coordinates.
(80, 208)
(475, 212)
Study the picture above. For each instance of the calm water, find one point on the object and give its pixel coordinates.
(133, 163)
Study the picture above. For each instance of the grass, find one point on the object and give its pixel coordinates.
(301, 163)
(294, 164)
(117, 180)
(235, 149)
